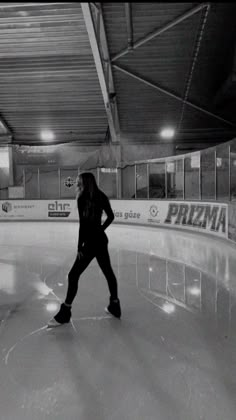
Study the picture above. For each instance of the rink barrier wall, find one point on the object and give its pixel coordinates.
(217, 219)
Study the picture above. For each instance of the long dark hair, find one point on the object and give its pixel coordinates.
(89, 201)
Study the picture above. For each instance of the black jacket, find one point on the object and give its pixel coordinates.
(91, 230)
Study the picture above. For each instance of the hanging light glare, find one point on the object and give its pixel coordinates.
(47, 135)
(167, 133)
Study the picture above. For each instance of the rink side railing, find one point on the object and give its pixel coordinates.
(204, 217)
(209, 174)
(198, 191)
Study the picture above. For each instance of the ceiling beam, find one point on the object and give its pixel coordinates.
(159, 31)
(172, 95)
(129, 25)
(197, 45)
(98, 42)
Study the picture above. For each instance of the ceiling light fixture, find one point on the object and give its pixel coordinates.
(47, 135)
(167, 133)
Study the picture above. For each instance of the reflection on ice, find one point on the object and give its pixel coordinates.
(164, 359)
(52, 307)
(168, 307)
(184, 286)
(7, 279)
(42, 288)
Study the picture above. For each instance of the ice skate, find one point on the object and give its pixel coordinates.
(114, 308)
(62, 317)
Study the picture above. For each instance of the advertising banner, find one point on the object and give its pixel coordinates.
(195, 216)
(38, 210)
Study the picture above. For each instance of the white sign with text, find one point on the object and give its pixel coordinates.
(209, 217)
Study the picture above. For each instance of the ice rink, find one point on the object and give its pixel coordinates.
(172, 356)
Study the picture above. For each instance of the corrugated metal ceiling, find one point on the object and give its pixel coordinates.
(174, 77)
(49, 79)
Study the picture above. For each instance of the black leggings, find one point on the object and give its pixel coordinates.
(81, 263)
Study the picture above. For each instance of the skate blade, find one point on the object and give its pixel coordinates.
(54, 324)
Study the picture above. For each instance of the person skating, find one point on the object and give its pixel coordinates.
(92, 243)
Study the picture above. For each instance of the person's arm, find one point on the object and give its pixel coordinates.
(81, 238)
(109, 212)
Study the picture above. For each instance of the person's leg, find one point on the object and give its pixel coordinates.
(77, 269)
(64, 314)
(104, 262)
(103, 259)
